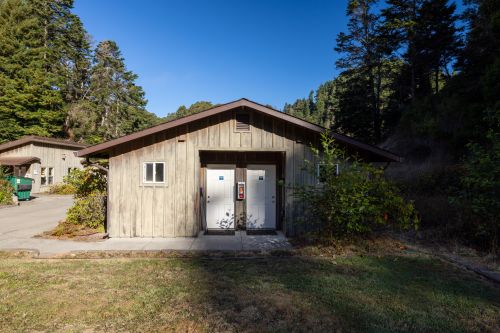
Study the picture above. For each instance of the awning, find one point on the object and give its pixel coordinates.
(18, 160)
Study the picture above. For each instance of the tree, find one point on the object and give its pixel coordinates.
(400, 20)
(303, 108)
(427, 33)
(114, 105)
(365, 52)
(43, 63)
(196, 107)
(436, 41)
(318, 108)
(326, 104)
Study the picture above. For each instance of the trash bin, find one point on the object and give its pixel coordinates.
(22, 186)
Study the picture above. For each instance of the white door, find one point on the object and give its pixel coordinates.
(220, 197)
(261, 197)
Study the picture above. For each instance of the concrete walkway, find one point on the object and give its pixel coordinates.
(19, 224)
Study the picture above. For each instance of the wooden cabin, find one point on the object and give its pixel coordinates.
(230, 167)
(46, 160)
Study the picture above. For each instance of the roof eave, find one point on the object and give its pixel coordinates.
(106, 146)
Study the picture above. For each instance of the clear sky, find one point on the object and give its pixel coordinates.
(272, 51)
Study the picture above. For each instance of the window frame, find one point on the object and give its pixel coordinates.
(318, 175)
(50, 176)
(145, 182)
(43, 174)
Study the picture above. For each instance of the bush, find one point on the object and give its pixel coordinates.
(478, 198)
(63, 189)
(355, 201)
(89, 211)
(89, 187)
(87, 181)
(6, 192)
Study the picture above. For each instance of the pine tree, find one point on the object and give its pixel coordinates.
(427, 32)
(43, 63)
(436, 41)
(364, 55)
(115, 105)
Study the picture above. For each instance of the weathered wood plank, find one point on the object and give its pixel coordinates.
(147, 192)
(159, 191)
(289, 178)
(267, 137)
(180, 185)
(257, 130)
(190, 190)
(213, 131)
(225, 129)
(170, 205)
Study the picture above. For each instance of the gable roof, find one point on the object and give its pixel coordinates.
(40, 139)
(243, 102)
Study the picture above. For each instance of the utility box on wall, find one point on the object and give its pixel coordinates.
(240, 190)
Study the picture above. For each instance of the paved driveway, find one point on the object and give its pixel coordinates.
(33, 217)
(19, 224)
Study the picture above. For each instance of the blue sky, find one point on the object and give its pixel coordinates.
(271, 51)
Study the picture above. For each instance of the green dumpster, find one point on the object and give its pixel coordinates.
(22, 186)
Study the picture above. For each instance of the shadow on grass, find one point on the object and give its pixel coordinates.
(353, 294)
(272, 294)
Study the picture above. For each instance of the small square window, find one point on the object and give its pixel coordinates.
(153, 172)
(322, 171)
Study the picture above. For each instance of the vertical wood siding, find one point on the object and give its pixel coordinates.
(173, 209)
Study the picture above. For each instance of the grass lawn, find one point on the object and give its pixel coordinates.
(358, 293)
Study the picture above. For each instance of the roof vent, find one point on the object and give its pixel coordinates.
(242, 122)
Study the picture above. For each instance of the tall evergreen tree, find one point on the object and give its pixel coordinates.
(114, 105)
(427, 33)
(43, 63)
(365, 53)
(436, 41)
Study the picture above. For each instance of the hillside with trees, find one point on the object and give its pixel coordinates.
(53, 83)
(422, 79)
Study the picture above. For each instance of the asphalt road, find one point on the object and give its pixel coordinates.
(33, 217)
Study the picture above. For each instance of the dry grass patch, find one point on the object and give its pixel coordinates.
(78, 232)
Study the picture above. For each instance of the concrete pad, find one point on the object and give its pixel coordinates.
(265, 242)
(218, 242)
(19, 224)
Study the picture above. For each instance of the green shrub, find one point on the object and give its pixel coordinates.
(478, 199)
(63, 189)
(87, 181)
(89, 211)
(6, 192)
(89, 186)
(354, 201)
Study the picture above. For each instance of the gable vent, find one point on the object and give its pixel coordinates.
(242, 122)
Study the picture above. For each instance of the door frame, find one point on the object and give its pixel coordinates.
(216, 166)
(241, 158)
